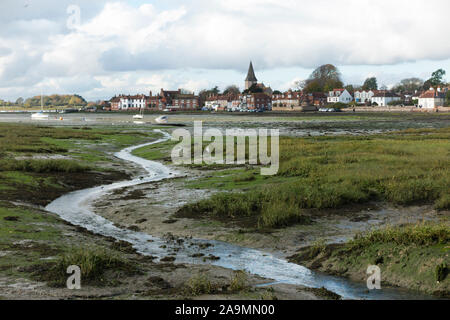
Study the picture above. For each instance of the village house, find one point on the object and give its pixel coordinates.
(177, 100)
(289, 99)
(256, 101)
(364, 96)
(383, 98)
(339, 96)
(128, 102)
(165, 99)
(115, 101)
(432, 99)
(212, 102)
(222, 102)
(316, 99)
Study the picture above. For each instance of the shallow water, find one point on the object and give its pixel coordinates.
(75, 208)
(308, 124)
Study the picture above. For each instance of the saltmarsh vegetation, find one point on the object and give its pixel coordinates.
(39, 163)
(201, 284)
(413, 256)
(316, 173)
(93, 261)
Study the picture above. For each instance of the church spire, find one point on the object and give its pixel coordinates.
(251, 74)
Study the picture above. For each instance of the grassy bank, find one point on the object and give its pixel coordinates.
(39, 163)
(320, 173)
(411, 256)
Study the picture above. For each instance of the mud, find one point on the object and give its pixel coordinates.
(157, 213)
(63, 183)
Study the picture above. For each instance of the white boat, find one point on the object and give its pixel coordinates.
(162, 119)
(139, 116)
(40, 115)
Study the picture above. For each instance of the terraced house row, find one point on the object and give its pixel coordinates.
(164, 100)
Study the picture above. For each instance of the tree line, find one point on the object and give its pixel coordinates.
(54, 100)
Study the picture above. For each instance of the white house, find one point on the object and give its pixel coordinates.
(134, 102)
(383, 98)
(339, 95)
(432, 99)
(364, 96)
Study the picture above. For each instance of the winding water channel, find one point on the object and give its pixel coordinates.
(75, 207)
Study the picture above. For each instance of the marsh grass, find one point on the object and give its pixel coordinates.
(421, 234)
(239, 281)
(43, 166)
(414, 256)
(94, 262)
(198, 284)
(403, 168)
(245, 177)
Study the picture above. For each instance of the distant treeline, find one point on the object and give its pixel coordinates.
(55, 100)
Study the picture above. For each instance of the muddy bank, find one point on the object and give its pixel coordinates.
(152, 208)
(27, 261)
(421, 268)
(50, 186)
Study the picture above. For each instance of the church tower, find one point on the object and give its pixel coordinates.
(251, 78)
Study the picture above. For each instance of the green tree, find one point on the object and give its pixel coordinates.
(324, 78)
(370, 84)
(253, 89)
(447, 99)
(205, 93)
(232, 89)
(437, 78)
(350, 88)
(313, 86)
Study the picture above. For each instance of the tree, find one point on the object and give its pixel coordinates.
(437, 77)
(447, 99)
(427, 85)
(370, 84)
(215, 90)
(253, 89)
(350, 88)
(313, 86)
(409, 85)
(232, 90)
(300, 84)
(325, 78)
(205, 93)
(20, 101)
(277, 92)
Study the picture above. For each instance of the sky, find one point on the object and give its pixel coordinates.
(104, 47)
